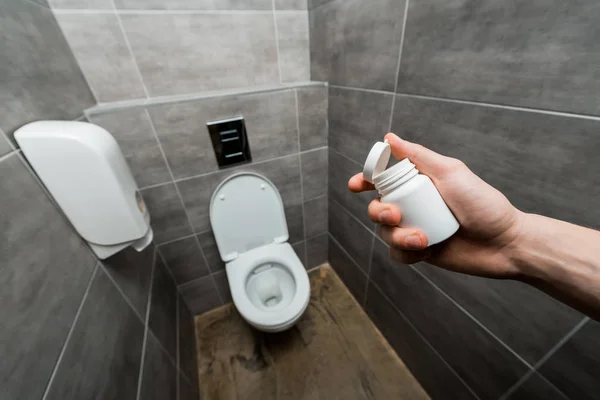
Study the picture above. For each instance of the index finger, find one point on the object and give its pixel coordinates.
(358, 184)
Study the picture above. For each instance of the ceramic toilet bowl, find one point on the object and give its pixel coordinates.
(269, 286)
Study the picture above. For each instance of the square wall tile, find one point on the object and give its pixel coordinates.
(294, 216)
(356, 43)
(436, 377)
(312, 117)
(477, 357)
(526, 319)
(211, 251)
(44, 271)
(167, 215)
(341, 169)
(350, 234)
(293, 44)
(572, 369)
(545, 164)
(181, 127)
(133, 131)
(300, 250)
(357, 120)
(536, 387)
(194, 4)
(159, 374)
(162, 319)
(187, 344)
(4, 145)
(242, 50)
(184, 258)
(132, 272)
(352, 276)
(101, 51)
(290, 4)
(222, 284)
(104, 350)
(533, 54)
(317, 249)
(42, 78)
(200, 295)
(82, 4)
(314, 173)
(196, 192)
(315, 216)
(186, 391)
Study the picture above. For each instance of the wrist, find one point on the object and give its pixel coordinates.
(518, 243)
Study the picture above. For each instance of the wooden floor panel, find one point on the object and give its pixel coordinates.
(333, 352)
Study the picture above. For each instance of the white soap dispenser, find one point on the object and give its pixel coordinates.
(84, 170)
(415, 194)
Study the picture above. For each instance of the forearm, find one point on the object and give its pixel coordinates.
(561, 259)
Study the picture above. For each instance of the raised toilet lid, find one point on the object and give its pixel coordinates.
(246, 212)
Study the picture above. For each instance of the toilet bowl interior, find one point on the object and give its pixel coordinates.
(270, 286)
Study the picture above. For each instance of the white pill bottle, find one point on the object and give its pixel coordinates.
(422, 206)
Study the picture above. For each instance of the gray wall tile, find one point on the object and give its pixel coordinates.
(294, 216)
(43, 82)
(270, 123)
(544, 164)
(536, 387)
(290, 4)
(317, 250)
(187, 344)
(211, 251)
(159, 374)
(428, 368)
(314, 173)
(242, 51)
(184, 259)
(104, 350)
(293, 43)
(312, 117)
(573, 368)
(162, 318)
(4, 144)
(194, 4)
(354, 279)
(526, 319)
(528, 53)
(357, 120)
(223, 286)
(133, 131)
(82, 4)
(300, 250)
(45, 270)
(101, 51)
(167, 215)
(185, 390)
(351, 235)
(283, 172)
(340, 171)
(356, 43)
(312, 4)
(315, 216)
(479, 359)
(200, 295)
(132, 272)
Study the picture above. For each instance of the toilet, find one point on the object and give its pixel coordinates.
(268, 282)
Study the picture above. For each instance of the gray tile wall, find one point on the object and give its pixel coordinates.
(481, 82)
(169, 149)
(133, 49)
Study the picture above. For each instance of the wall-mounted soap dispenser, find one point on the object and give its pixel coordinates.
(83, 168)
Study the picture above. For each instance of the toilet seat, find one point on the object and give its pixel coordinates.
(238, 272)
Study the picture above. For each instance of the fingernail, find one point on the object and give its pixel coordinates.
(413, 241)
(385, 215)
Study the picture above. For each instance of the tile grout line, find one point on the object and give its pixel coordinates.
(121, 292)
(146, 325)
(346, 157)
(398, 65)
(424, 339)
(70, 333)
(128, 44)
(467, 313)
(184, 208)
(301, 177)
(276, 40)
(10, 154)
(100, 11)
(347, 254)
(177, 180)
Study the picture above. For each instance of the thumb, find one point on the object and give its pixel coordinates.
(427, 161)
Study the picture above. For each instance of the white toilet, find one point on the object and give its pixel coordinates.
(268, 282)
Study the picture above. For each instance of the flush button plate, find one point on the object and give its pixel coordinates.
(229, 141)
